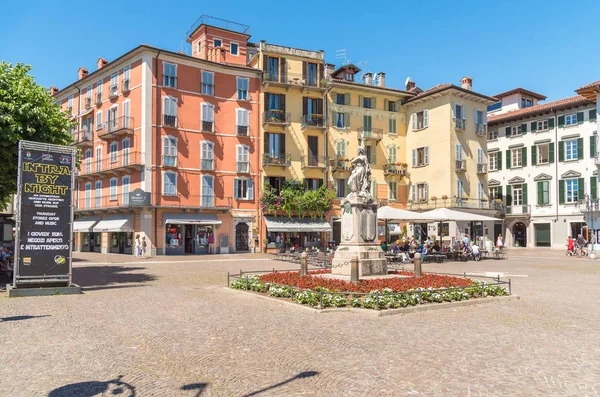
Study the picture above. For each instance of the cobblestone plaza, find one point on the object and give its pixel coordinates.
(170, 328)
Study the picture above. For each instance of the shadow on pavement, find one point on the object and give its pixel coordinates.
(198, 387)
(301, 375)
(95, 276)
(19, 318)
(95, 388)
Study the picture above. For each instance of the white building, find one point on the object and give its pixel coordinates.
(541, 163)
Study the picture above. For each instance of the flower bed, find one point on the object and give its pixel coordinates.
(377, 294)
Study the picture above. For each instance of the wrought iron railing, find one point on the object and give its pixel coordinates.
(459, 124)
(294, 79)
(114, 161)
(242, 130)
(394, 169)
(482, 168)
(208, 126)
(312, 120)
(126, 85)
(460, 165)
(169, 120)
(375, 134)
(119, 124)
(281, 159)
(312, 161)
(276, 117)
(481, 129)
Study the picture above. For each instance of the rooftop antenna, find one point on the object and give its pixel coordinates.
(407, 81)
(182, 48)
(341, 54)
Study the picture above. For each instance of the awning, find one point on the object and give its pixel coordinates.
(192, 219)
(115, 223)
(85, 223)
(285, 224)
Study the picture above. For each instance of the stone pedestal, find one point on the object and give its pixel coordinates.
(359, 239)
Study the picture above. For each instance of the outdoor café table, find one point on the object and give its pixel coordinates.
(391, 257)
(437, 258)
(485, 253)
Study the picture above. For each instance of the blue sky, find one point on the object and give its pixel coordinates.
(546, 46)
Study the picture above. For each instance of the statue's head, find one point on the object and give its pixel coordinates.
(362, 151)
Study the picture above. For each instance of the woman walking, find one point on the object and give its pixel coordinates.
(138, 246)
(144, 246)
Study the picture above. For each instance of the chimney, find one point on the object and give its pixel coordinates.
(329, 69)
(381, 79)
(369, 78)
(410, 85)
(467, 83)
(83, 72)
(53, 90)
(102, 63)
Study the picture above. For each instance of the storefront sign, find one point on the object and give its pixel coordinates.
(139, 198)
(44, 213)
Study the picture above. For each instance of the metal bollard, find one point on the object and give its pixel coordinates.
(354, 276)
(303, 264)
(417, 263)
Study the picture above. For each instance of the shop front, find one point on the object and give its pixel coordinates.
(190, 234)
(89, 241)
(296, 233)
(119, 231)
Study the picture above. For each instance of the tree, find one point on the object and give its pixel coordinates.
(27, 111)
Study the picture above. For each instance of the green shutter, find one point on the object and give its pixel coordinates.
(508, 195)
(561, 191)
(551, 123)
(534, 155)
(499, 192)
(499, 160)
(523, 129)
(561, 121)
(579, 117)
(347, 119)
(533, 126)
(592, 114)
(524, 156)
(540, 189)
(593, 146)
(580, 188)
(524, 186)
(507, 131)
(580, 148)
(551, 152)
(561, 151)
(508, 163)
(593, 188)
(346, 99)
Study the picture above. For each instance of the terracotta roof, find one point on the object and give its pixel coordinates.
(595, 84)
(443, 87)
(371, 86)
(523, 91)
(540, 109)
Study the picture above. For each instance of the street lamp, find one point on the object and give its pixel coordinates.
(590, 208)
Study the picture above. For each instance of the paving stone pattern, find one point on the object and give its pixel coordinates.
(167, 327)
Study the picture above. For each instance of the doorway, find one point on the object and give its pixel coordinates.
(241, 237)
(337, 231)
(188, 239)
(520, 234)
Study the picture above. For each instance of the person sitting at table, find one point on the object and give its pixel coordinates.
(476, 252)
(436, 247)
(424, 251)
(384, 246)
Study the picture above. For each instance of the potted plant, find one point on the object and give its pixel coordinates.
(444, 197)
(434, 198)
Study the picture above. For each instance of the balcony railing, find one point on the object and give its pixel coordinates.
(242, 167)
(282, 159)
(457, 202)
(341, 166)
(459, 124)
(99, 98)
(119, 126)
(93, 202)
(88, 103)
(207, 164)
(83, 137)
(460, 165)
(207, 126)
(193, 201)
(371, 134)
(114, 163)
(518, 210)
(313, 121)
(482, 168)
(126, 87)
(391, 169)
(242, 130)
(293, 79)
(312, 161)
(113, 91)
(169, 81)
(481, 129)
(169, 120)
(276, 117)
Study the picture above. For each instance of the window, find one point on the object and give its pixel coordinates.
(341, 187)
(479, 117)
(99, 159)
(458, 152)
(272, 69)
(526, 102)
(88, 161)
(495, 193)
(571, 149)
(114, 84)
(234, 49)
(125, 190)
(88, 195)
(99, 92)
(420, 120)
(421, 192)
(242, 158)
(170, 75)
(516, 158)
(543, 153)
(460, 116)
(312, 74)
(242, 121)
(169, 111)
(207, 115)
(391, 106)
(392, 123)
(199, 46)
(313, 183)
(340, 99)
(125, 151)
(480, 194)
(367, 103)
(517, 195)
(113, 188)
(493, 161)
(113, 151)
(208, 87)
(392, 191)
(98, 194)
(243, 189)
(169, 151)
(341, 120)
(126, 71)
(392, 154)
(542, 125)
(420, 156)
(88, 96)
(242, 88)
(208, 193)
(543, 192)
(571, 119)
(460, 188)
(341, 148)
(207, 152)
(515, 130)
(492, 135)
(572, 190)
(217, 43)
(480, 156)
(372, 154)
(70, 104)
(169, 184)
(349, 76)
(368, 125)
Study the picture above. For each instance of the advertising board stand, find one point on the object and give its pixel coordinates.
(44, 224)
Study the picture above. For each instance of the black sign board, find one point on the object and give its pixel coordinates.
(44, 220)
(139, 198)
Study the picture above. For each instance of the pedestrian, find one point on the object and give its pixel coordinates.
(499, 242)
(144, 246)
(138, 246)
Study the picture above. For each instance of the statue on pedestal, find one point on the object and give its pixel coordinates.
(360, 178)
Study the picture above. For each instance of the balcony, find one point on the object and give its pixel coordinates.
(277, 118)
(98, 98)
(194, 201)
(313, 121)
(460, 165)
(169, 120)
(311, 161)
(293, 80)
(114, 202)
(207, 126)
(482, 168)
(88, 103)
(371, 135)
(207, 164)
(115, 164)
(280, 160)
(459, 124)
(116, 127)
(126, 87)
(518, 210)
(481, 129)
(242, 167)
(83, 138)
(113, 91)
(242, 130)
(456, 202)
(169, 160)
(341, 167)
(394, 171)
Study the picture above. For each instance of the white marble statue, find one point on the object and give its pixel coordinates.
(360, 178)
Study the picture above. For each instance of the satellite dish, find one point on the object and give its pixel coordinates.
(407, 81)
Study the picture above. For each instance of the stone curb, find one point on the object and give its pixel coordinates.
(386, 312)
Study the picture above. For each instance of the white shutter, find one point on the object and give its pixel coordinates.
(484, 117)
(414, 192)
(425, 118)
(426, 192)
(236, 192)
(250, 189)
(458, 152)
(246, 115)
(453, 110)
(480, 156)
(414, 157)
(426, 154)
(414, 121)
(475, 116)
(239, 153)
(211, 112)
(238, 116)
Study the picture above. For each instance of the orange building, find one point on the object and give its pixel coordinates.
(168, 147)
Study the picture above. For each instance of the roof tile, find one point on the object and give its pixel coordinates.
(544, 108)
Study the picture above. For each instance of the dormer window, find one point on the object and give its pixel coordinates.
(526, 102)
(348, 76)
(217, 43)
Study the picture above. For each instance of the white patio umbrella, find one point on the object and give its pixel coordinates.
(445, 215)
(388, 213)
